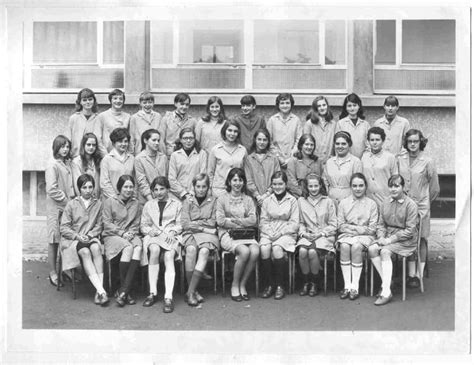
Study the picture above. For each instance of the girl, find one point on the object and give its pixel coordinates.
(84, 120)
(285, 129)
(317, 232)
(352, 121)
(422, 186)
(88, 161)
(278, 231)
(396, 234)
(149, 164)
(321, 125)
(259, 167)
(116, 163)
(224, 156)
(81, 225)
(339, 169)
(186, 161)
(59, 190)
(302, 163)
(356, 222)
(161, 225)
(198, 220)
(236, 210)
(208, 128)
(378, 165)
(121, 218)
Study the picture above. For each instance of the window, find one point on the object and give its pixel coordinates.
(385, 42)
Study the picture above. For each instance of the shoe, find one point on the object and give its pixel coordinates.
(103, 299)
(313, 290)
(168, 305)
(191, 299)
(96, 298)
(305, 290)
(121, 299)
(413, 282)
(279, 293)
(353, 294)
(267, 292)
(55, 281)
(149, 300)
(130, 300)
(237, 298)
(199, 297)
(245, 297)
(344, 294)
(383, 300)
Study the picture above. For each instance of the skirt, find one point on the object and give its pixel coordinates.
(114, 245)
(287, 243)
(201, 239)
(402, 248)
(70, 257)
(323, 243)
(228, 244)
(160, 241)
(363, 240)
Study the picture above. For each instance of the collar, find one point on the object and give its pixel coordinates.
(181, 152)
(117, 197)
(290, 117)
(317, 200)
(180, 117)
(114, 153)
(398, 200)
(208, 199)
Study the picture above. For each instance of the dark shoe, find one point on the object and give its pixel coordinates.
(305, 290)
(130, 300)
(96, 298)
(121, 299)
(199, 297)
(237, 298)
(168, 305)
(413, 282)
(55, 281)
(149, 301)
(313, 290)
(245, 297)
(383, 300)
(191, 299)
(267, 292)
(344, 294)
(353, 294)
(103, 299)
(279, 293)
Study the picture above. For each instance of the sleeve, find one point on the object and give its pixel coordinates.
(211, 166)
(68, 131)
(177, 226)
(99, 132)
(393, 165)
(302, 226)
(198, 130)
(110, 228)
(202, 161)
(133, 132)
(251, 186)
(411, 222)
(96, 230)
(135, 224)
(291, 226)
(298, 134)
(265, 218)
(186, 218)
(331, 228)
(52, 185)
(293, 185)
(176, 187)
(371, 227)
(105, 183)
(146, 223)
(221, 219)
(326, 176)
(142, 182)
(433, 180)
(250, 219)
(66, 223)
(341, 217)
(381, 227)
(357, 167)
(307, 127)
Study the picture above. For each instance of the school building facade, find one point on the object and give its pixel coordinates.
(233, 51)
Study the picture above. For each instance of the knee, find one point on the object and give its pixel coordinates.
(303, 253)
(385, 254)
(345, 248)
(312, 254)
(85, 253)
(277, 252)
(191, 251)
(265, 251)
(203, 254)
(374, 251)
(154, 251)
(243, 252)
(356, 248)
(95, 250)
(169, 258)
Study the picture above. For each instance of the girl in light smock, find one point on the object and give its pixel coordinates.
(339, 169)
(236, 210)
(317, 231)
(279, 224)
(161, 225)
(356, 223)
(208, 128)
(121, 218)
(88, 161)
(198, 220)
(81, 225)
(186, 161)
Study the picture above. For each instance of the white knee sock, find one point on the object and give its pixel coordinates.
(346, 273)
(411, 268)
(422, 269)
(387, 268)
(153, 271)
(101, 278)
(169, 283)
(356, 270)
(94, 278)
(377, 262)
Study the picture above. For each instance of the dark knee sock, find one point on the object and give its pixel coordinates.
(266, 272)
(313, 278)
(123, 269)
(196, 277)
(189, 275)
(279, 267)
(305, 278)
(130, 273)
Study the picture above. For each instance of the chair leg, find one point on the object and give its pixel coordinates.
(60, 267)
(404, 281)
(325, 275)
(334, 267)
(371, 279)
(109, 272)
(366, 273)
(73, 279)
(215, 272)
(257, 279)
(223, 273)
(181, 276)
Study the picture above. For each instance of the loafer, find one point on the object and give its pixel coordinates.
(383, 300)
(191, 299)
(130, 300)
(54, 281)
(313, 290)
(279, 293)
(353, 294)
(305, 290)
(121, 299)
(103, 299)
(96, 298)
(199, 297)
(267, 292)
(149, 300)
(413, 282)
(168, 305)
(245, 297)
(236, 298)
(344, 294)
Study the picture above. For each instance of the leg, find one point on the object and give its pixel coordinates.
(304, 266)
(190, 262)
(134, 264)
(98, 261)
(346, 265)
(52, 257)
(279, 265)
(90, 269)
(315, 266)
(387, 269)
(153, 267)
(265, 253)
(254, 252)
(124, 264)
(374, 254)
(242, 254)
(356, 258)
(169, 273)
(198, 270)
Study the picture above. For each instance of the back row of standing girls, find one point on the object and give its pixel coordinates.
(107, 146)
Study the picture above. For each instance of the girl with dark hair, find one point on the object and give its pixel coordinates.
(161, 225)
(321, 125)
(186, 161)
(357, 218)
(302, 163)
(84, 120)
(339, 169)
(116, 163)
(352, 120)
(149, 164)
(88, 161)
(236, 210)
(81, 226)
(317, 231)
(279, 223)
(121, 218)
(208, 128)
(60, 188)
(422, 186)
(259, 167)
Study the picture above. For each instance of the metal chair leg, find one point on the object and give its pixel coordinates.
(60, 267)
(223, 272)
(366, 272)
(257, 279)
(371, 279)
(215, 271)
(73, 279)
(325, 274)
(404, 281)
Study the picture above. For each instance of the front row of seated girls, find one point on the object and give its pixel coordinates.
(204, 223)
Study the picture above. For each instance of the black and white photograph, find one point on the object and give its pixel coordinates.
(236, 181)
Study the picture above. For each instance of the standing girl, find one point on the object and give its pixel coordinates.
(208, 128)
(88, 161)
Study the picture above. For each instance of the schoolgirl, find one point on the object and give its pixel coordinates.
(89, 159)
(208, 128)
